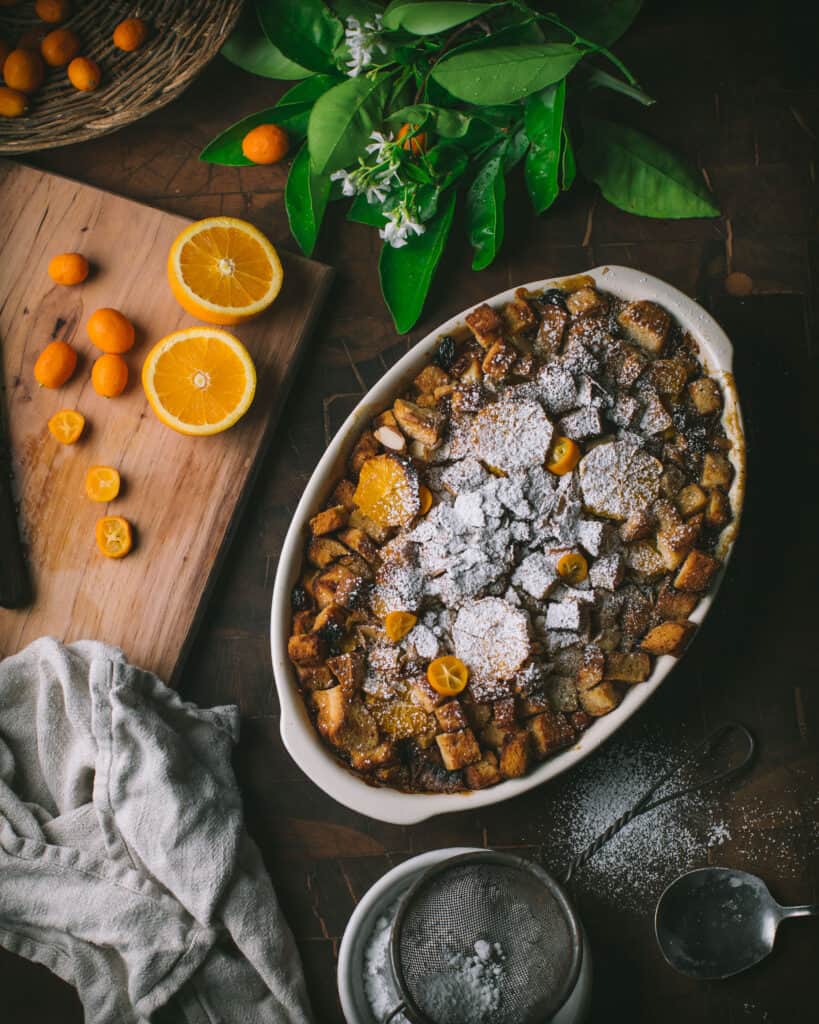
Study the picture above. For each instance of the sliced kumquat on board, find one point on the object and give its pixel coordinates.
(66, 426)
(563, 457)
(398, 624)
(102, 483)
(447, 675)
(572, 567)
(114, 536)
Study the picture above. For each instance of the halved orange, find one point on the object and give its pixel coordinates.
(199, 381)
(224, 271)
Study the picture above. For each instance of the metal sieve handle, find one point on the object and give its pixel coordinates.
(699, 755)
(394, 1013)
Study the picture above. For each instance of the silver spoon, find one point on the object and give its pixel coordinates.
(715, 922)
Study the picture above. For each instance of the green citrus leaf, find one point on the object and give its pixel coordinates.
(449, 124)
(568, 167)
(342, 120)
(305, 198)
(484, 208)
(504, 74)
(306, 31)
(426, 19)
(250, 49)
(640, 175)
(406, 273)
(362, 212)
(544, 126)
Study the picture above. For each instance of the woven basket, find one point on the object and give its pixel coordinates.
(185, 35)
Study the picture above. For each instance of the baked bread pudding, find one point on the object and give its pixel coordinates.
(514, 541)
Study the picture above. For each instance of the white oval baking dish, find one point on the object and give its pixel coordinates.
(300, 737)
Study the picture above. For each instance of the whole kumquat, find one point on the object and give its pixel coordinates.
(130, 34)
(412, 140)
(109, 375)
(110, 331)
(55, 364)
(66, 426)
(563, 457)
(572, 567)
(84, 74)
(13, 103)
(114, 536)
(68, 268)
(398, 624)
(266, 144)
(60, 47)
(102, 483)
(23, 70)
(447, 675)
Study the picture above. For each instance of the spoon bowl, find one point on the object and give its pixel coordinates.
(716, 922)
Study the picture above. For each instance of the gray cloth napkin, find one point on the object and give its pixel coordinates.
(124, 864)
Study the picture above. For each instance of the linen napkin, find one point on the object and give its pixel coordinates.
(124, 864)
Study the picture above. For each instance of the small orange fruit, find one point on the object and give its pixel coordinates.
(110, 331)
(563, 457)
(55, 364)
(60, 47)
(572, 567)
(398, 624)
(102, 483)
(224, 271)
(114, 537)
(68, 268)
(425, 495)
(84, 74)
(414, 142)
(52, 11)
(13, 103)
(448, 675)
(130, 34)
(266, 144)
(109, 375)
(66, 425)
(23, 70)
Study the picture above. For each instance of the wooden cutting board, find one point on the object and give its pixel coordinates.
(181, 494)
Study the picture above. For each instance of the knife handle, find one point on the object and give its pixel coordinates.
(15, 585)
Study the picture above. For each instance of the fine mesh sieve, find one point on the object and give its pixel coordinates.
(490, 937)
(510, 910)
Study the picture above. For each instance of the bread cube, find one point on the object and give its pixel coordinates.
(643, 557)
(485, 324)
(343, 494)
(716, 471)
(483, 773)
(638, 526)
(705, 395)
(696, 572)
(629, 364)
(504, 712)
(627, 668)
(365, 448)
(499, 360)
(430, 378)
(549, 732)
(381, 756)
(675, 605)
(581, 424)
(515, 753)
(592, 668)
(316, 677)
(518, 317)
(306, 649)
(718, 511)
(359, 542)
(331, 619)
(422, 694)
(600, 700)
(330, 706)
(422, 425)
(323, 551)
(380, 534)
(580, 720)
(646, 324)
(668, 376)
(302, 622)
(345, 722)
(586, 301)
(338, 585)
(549, 337)
(691, 499)
(329, 520)
(674, 542)
(348, 669)
(451, 717)
(668, 638)
(607, 573)
(458, 749)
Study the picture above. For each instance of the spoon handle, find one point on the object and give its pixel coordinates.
(808, 910)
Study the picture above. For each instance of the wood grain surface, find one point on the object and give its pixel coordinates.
(736, 91)
(180, 493)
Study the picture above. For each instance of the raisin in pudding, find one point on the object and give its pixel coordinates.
(516, 539)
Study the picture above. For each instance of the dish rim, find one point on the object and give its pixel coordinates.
(299, 735)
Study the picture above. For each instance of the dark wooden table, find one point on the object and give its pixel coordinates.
(737, 92)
